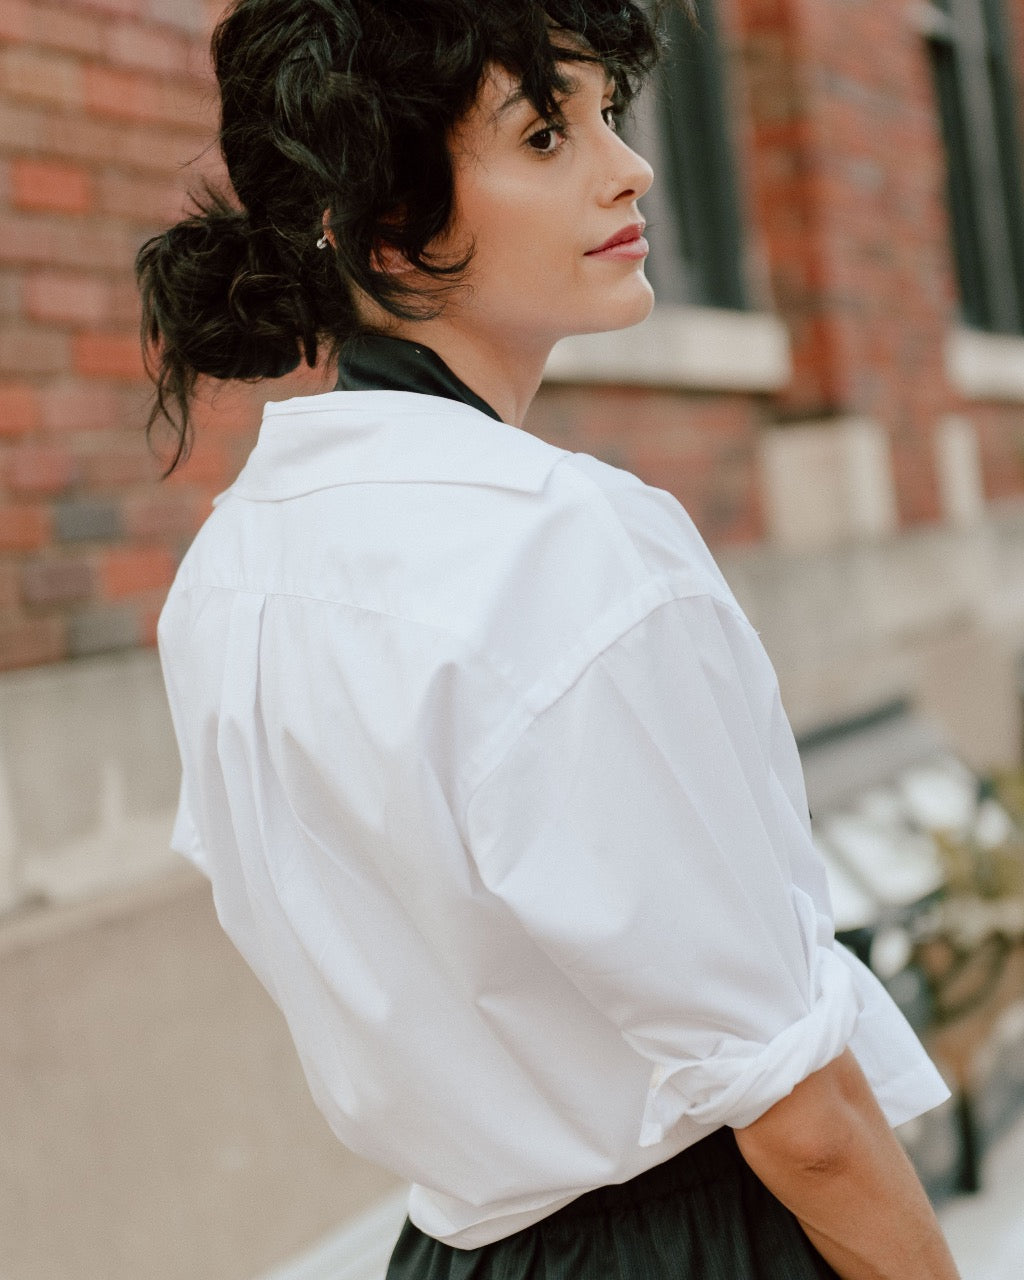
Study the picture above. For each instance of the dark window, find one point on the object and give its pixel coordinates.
(974, 81)
(681, 124)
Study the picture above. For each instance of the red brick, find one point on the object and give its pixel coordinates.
(48, 185)
(101, 245)
(123, 464)
(35, 470)
(36, 239)
(161, 515)
(41, 77)
(128, 572)
(109, 355)
(72, 407)
(63, 27)
(10, 294)
(25, 350)
(148, 48)
(21, 127)
(149, 620)
(63, 298)
(78, 137)
(129, 196)
(23, 528)
(128, 8)
(129, 95)
(124, 303)
(31, 642)
(25, 239)
(57, 582)
(20, 410)
(103, 629)
(114, 93)
(10, 586)
(161, 150)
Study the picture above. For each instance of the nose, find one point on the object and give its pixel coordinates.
(630, 176)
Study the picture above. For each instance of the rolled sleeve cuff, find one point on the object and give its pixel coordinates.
(737, 1086)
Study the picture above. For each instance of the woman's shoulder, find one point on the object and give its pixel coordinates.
(651, 522)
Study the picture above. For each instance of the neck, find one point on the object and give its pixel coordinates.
(505, 374)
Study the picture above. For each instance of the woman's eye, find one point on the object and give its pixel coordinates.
(546, 141)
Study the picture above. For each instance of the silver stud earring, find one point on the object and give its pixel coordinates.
(324, 241)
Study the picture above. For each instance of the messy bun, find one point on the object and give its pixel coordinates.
(221, 300)
(343, 108)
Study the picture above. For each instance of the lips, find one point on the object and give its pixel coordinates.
(626, 236)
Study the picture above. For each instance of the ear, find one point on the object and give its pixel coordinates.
(328, 236)
(390, 260)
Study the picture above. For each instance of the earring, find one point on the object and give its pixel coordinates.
(323, 242)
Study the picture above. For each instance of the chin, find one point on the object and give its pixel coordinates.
(630, 307)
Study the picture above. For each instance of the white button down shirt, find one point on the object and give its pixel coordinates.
(492, 782)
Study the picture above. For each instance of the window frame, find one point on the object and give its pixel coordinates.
(976, 90)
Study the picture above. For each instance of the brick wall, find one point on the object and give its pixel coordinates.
(1001, 427)
(106, 115)
(702, 448)
(848, 175)
(849, 181)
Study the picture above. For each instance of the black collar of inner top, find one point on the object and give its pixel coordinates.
(372, 362)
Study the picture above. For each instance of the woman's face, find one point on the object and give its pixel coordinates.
(536, 201)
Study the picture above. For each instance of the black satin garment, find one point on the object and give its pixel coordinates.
(703, 1215)
(371, 362)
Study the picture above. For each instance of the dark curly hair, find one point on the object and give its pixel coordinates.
(344, 106)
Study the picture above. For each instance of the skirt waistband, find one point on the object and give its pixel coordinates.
(709, 1160)
(702, 1215)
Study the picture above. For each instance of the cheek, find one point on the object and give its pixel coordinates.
(518, 226)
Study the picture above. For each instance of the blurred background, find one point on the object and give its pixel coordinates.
(832, 383)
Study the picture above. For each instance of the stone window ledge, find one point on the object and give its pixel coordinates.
(986, 366)
(700, 347)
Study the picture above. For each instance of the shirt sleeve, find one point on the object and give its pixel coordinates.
(638, 830)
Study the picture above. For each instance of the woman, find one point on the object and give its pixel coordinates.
(485, 764)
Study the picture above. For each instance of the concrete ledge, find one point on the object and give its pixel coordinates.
(682, 347)
(88, 778)
(986, 366)
(934, 614)
(89, 767)
(156, 1122)
(827, 482)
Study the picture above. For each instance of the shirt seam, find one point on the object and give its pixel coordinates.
(486, 662)
(513, 734)
(529, 703)
(257, 495)
(609, 517)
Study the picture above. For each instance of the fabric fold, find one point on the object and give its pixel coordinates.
(758, 1075)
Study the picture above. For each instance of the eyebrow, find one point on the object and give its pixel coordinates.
(511, 102)
(519, 95)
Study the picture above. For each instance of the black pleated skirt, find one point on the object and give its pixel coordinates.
(703, 1215)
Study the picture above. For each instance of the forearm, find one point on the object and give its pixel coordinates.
(873, 1222)
(828, 1154)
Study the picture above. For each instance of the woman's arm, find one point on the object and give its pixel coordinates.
(827, 1152)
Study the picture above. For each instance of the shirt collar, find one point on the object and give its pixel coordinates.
(358, 437)
(373, 362)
